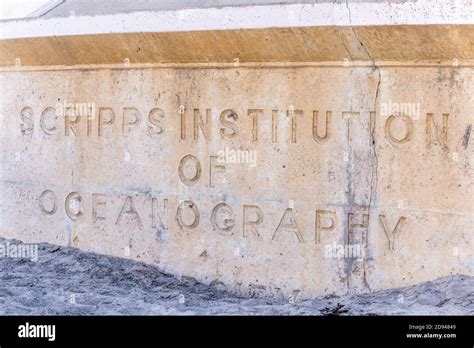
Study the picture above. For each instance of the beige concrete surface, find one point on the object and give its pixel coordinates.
(256, 178)
(289, 150)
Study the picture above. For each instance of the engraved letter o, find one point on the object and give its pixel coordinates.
(179, 215)
(409, 129)
(186, 180)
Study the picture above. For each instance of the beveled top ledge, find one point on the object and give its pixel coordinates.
(400, 31)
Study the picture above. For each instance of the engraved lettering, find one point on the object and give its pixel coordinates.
(228, 118)
(293, 114)
(48, 202)
(130, 119)
(154, 117)
(156, 216)
(71, 203)
(129, 208)
(349, 115)
(204, 126)
(26, 115)
(358, 238)
(105, 121)
(98, 200)
(47, 120)
(184, 169)
(320, 215)
(222, 217)
(215, 167)
(252, 218)
(255, 114)
(195, 215)
(327, 134)
(408, 132)
(288, 223)
(71, 119)
(441, 135)
(390, 234)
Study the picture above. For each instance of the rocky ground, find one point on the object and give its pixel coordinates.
(67, 281)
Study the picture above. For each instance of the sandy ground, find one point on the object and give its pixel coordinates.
(67, 281)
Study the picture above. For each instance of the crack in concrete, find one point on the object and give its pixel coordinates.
(373, 116)
(355, 35)
(336, 31)
(375, 165)
(348, 263)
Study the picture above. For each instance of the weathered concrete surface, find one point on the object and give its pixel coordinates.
(118, 188)
(290, 45)
(318, 31)
(295, 150)
(67, 281)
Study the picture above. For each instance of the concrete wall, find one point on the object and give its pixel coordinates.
(297, 179)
